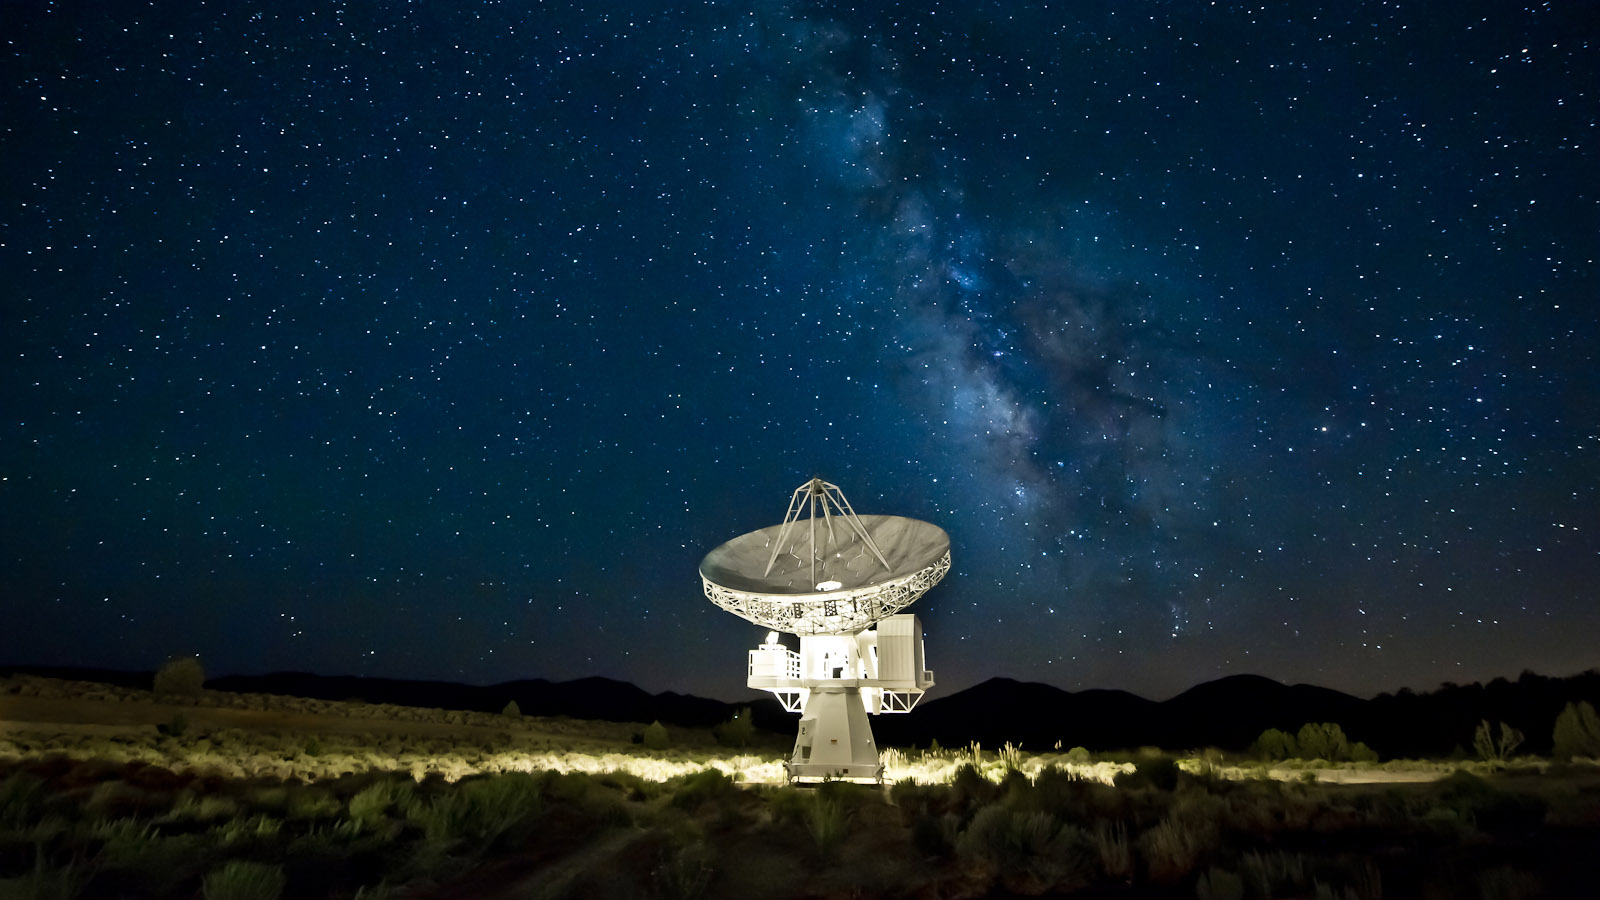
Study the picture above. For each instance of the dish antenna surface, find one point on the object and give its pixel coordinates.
(837, 580)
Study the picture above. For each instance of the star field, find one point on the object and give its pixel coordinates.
(441, 341)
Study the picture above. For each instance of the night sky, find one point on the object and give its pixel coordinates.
(441, 340)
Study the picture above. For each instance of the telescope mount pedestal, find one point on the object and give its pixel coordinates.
(835, 739)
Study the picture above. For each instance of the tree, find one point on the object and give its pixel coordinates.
(512, 710)
(1361, 753)
(737, 731)
(1577, 732)
(1274, 745)
(655, 736)
(1323, 740)
(180, 676)
(1492, 750)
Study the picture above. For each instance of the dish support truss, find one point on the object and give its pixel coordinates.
(809, 497)
(831, 612)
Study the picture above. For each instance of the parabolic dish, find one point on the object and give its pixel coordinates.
(782, 593)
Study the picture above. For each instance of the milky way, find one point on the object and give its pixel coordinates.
(435, 342)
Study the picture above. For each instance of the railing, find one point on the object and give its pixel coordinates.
(790, 669)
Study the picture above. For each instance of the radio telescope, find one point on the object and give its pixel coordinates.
(838, 581)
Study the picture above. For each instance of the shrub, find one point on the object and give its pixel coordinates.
(1507, 883)
(371, 806)
(788, 805)
(696, 789)
(310, 802)
(1491, 749)
(1577, 732)
(969, 790)
(181, 676)
(685, 871)
(912, 799)
(1473, 800)
(1171, 849)
(45, 882)
(22, 797)
(1078, 756)
(174, 727)
(489, 806)
(511, 710)
(655, 736)
(1275, 874)
(1111, 845)
(737, 731)
(1159, 772)
(247, 829)
(934, 835)
(1031, 852)
(1219, 884)
(156, 864)
(243, 880)
(827, 821)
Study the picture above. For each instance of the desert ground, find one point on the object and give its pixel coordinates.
(114, 792)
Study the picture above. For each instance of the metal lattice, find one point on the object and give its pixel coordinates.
(836, 612)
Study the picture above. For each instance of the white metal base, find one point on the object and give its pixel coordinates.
(835, 739)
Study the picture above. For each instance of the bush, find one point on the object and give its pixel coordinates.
(1577, 732)
(1172, 848)
(181, 676)
(1475, 801)
(934, 836)
(1219, 884)
(22, 798)
(970, 790)
(827, 820)
(45, 882)
(310, 802)
(481, 809)
(1159, 772)
(1491, 749)
(696, 789)
(1274, 874)
(1078, 756)
(913, 799)
(242, 880)
(1111, 845)
(655, 736)
(512, 710)
(495, 804)
(685, 871)
(737, 731)
(1030, 852)
(371, 807)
